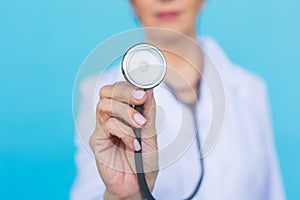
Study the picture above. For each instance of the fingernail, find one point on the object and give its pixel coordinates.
(138, 94)
(136, 144)
(140, 119)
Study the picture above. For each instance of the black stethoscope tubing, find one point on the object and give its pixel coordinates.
(146, 193)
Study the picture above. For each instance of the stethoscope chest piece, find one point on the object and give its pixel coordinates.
(144, 66)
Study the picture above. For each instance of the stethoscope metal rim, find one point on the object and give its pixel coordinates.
(136, 48)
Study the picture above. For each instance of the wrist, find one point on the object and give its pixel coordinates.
(109, 196)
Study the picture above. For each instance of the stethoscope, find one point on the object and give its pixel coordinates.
(145, 66)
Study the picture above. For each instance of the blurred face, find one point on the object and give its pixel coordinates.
(178, 15)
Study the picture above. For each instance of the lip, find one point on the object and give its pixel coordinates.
(167, 15)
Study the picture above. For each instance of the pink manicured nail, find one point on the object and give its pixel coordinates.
(136, 145)
(138, 94)
(140, 119)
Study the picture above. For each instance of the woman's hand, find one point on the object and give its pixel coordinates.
(113, 141)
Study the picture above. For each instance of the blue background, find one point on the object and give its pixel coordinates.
(43, 43)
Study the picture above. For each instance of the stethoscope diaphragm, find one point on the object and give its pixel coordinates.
(144, 66)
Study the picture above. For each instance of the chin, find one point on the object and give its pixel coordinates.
(166, 34)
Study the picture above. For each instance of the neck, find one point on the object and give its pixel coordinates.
(185, 63)
(173, 42)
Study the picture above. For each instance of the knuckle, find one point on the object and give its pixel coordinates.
(110, 125)
(112, 122)
(103, 105)
(99, 106)
(104, 91)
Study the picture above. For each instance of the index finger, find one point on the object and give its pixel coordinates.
(124, 92)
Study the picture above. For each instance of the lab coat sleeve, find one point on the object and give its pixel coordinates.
(273, 187)
(88, 185)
